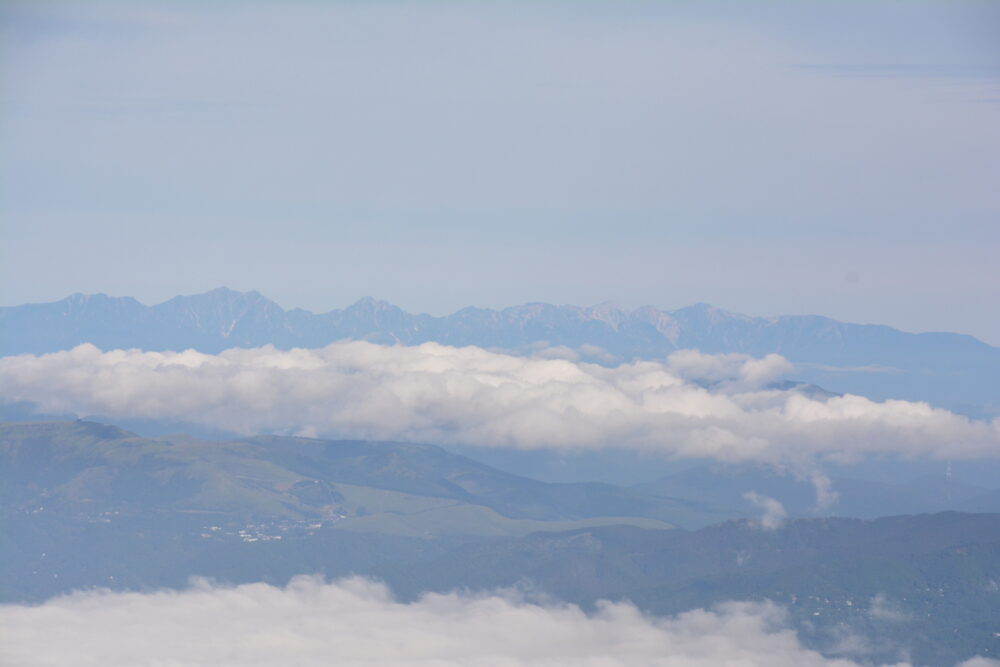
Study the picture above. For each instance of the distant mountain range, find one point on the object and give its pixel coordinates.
(948, 369)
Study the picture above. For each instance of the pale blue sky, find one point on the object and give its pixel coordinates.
(834, 158)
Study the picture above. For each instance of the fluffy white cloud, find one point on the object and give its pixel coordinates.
(774, 513)
(698, 366)
(357, 622)
(692, 404)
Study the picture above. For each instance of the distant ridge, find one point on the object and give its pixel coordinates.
(950, 369)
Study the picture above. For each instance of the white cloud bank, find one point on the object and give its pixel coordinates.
(357, 622)
(435, 393)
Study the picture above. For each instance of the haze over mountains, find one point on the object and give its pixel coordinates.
(85, 504)
(950, 370)
(224, 480)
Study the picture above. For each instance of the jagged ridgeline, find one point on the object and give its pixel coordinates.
(951, 370)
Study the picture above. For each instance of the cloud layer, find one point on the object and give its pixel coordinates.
(357, 622)
(691, 405)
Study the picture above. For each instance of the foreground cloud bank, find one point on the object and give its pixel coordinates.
(692, 404)
(357, 622)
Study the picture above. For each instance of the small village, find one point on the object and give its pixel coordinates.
(268, 531)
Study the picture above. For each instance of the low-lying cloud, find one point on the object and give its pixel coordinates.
(774, 513)
(357, 622)
(690, 405)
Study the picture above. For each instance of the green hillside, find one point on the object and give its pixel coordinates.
(93, 470)
(83, 504)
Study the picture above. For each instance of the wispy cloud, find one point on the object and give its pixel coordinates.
(774, 512)
(900, 70)
(888, 611)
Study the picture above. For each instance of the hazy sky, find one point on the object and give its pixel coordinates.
(838, 158)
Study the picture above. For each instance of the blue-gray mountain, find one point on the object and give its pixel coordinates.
(947, 369)
(84, 504)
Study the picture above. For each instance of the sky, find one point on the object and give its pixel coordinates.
(778, 158)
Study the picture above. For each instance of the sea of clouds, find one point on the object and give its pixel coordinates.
(689, 405)
(357, 622)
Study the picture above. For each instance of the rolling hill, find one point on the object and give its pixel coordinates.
(84, 504)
